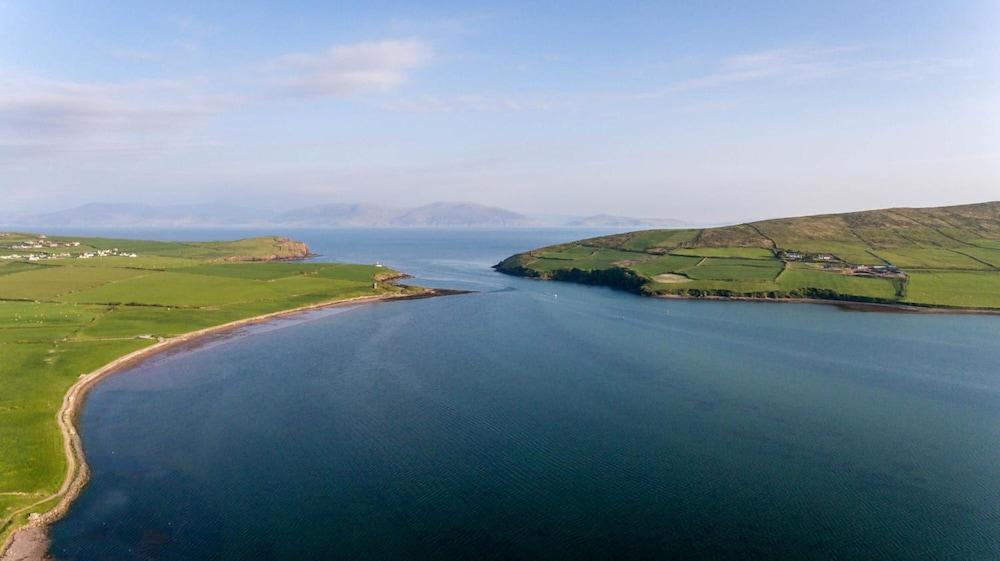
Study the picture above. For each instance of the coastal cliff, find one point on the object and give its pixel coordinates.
(277, 248)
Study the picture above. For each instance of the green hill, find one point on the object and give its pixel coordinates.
(939, 257)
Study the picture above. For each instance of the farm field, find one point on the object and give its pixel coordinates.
(950, 288)
(946, 257)
(732, 252)
(64, 316)
(718, 268)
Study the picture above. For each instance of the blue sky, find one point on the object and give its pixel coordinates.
(705, 111)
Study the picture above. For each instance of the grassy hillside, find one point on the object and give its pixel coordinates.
(63, 313)
(944, 257)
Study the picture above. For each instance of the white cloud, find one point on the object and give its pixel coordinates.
(345, 70)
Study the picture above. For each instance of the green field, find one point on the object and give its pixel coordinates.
(716, 268)
(736, 252)
(959, 289)
(586, 258)
(930, 258)
(659, 239)
(665, 264)
(944, 257)
(63, 317)
(800, 280)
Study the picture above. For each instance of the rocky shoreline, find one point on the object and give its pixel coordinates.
(850, 305)
(631, 284)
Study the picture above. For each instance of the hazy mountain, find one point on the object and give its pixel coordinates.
(341, 214)
(432, 215)
(355, 215)
(462, 214)
(611, 221)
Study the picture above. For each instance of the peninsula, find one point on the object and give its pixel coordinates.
(945, 258)
(73, 309)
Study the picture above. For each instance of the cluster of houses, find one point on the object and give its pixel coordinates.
(796, 256)
(886, 271)
(42, 244)
(105, 253)
(34, 256)
(85, 255)
(832, 262)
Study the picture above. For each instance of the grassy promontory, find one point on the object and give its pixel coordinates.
(71, 308)
(945, 257)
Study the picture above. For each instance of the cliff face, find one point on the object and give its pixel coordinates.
(267, 249)
(289, 249)
(516, 265)
(615, 277)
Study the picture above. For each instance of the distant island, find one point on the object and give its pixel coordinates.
(73, 309)
(336, 215)
(945, 257)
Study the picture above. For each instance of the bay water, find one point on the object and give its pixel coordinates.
(541, 420)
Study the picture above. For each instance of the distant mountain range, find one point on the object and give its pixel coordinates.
(432, 215)
(339, 215)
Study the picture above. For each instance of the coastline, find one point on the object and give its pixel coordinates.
(30, 541)
(847, 305)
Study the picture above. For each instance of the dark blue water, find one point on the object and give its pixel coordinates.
(535, 420)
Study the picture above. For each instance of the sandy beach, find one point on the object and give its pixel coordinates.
(30, 542)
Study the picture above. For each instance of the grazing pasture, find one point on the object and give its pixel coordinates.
(642, 241)
(718, 268)
(930, 258)
(51, 282)
(737, 252)
(989, 256)
(800, 279)
(951, 288)
(587, 258)
(665, 264)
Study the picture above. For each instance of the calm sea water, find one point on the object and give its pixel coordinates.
(536, 420)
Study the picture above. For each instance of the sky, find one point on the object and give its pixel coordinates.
(700, 111)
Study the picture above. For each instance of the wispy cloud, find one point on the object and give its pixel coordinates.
(346, 70)
(477, 103)
(793, 64)
(803, 64)
(786, 67)
(41, 117)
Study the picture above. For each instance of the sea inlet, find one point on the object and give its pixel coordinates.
(539, 420)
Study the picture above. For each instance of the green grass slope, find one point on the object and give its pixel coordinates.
(940, 257)
(63, 314)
